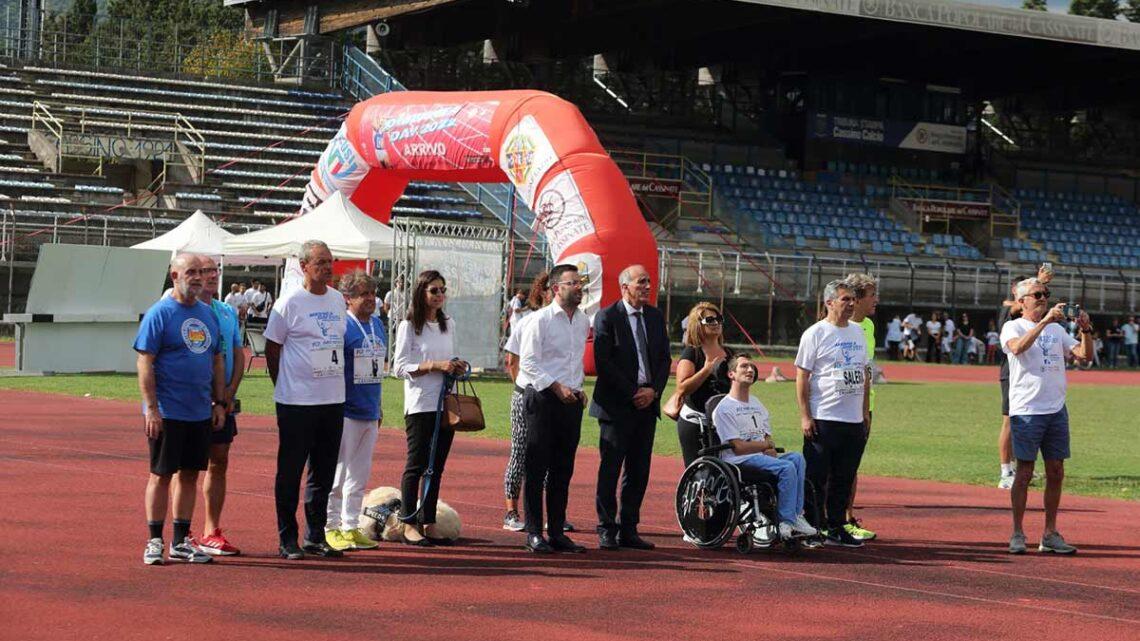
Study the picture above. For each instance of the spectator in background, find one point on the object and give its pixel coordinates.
(948, 328)
(912, 328)
(894, 337)
(992, 344)
(934, 338)
(1131, 333)
(1114, 342)
(235, 300)
(386, 304)
(258, 302)
(963, 337)
(514, 306)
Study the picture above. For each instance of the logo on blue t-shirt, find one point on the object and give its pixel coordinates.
(1045, 343)
(196, 335)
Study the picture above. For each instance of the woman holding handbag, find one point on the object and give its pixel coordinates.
(424, 355)
(702, 373)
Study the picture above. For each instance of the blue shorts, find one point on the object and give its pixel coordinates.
(1048, 433)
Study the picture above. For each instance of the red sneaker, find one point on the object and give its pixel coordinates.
(215, 544)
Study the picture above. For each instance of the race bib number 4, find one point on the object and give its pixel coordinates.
(327, 362)
(367, 365)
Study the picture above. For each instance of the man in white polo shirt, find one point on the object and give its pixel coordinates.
(304, 350)
(833, 385)
(1037, 345)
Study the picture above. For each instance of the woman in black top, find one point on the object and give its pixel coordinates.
(963, 334)
(702, 373)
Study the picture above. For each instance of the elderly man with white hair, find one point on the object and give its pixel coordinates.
(833, 389)
(304, 350)
(1037, 345)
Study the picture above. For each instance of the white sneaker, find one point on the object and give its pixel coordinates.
(801, 526)
(1006, 482)
(188, 552)
(152, 555)
(785, 530)
(688, 539)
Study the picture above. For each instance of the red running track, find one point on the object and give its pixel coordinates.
(71, 494)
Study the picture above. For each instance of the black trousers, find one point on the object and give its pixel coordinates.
(833, 458)
(629, 444)
(689, 435)
(419, 430)
(306, 433)
(553, 431)
(933, 349)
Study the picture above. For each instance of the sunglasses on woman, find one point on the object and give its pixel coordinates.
(437, 291)
(712, 320)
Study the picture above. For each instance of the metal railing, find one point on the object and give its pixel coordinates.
(42, 118)
(694, 194)
(187, 135)
(117, 46)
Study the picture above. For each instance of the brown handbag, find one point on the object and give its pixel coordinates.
(462, 409)
(672, 407)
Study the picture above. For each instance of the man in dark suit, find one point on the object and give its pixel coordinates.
(631, 357)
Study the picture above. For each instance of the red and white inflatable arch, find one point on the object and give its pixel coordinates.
(535, 140)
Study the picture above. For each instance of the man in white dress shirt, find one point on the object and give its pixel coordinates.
(551, 375)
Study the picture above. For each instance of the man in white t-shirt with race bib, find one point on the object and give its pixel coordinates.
(1037, 345)
(305, 354)
(833, 390)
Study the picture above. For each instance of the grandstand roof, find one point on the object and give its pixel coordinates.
(990, 51)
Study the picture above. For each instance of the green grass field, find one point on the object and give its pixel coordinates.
(938, 431)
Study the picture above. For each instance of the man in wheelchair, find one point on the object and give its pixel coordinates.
(742, 422)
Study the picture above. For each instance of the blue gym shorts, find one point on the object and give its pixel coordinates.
(1048, 433)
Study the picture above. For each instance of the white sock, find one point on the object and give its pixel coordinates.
(1006, 469)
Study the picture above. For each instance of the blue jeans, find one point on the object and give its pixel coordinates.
(1130, 350)
(959, 356)
(1113, 349)
(789, 469)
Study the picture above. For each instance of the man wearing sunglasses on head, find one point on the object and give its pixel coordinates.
(631, 357)
(1037, 345)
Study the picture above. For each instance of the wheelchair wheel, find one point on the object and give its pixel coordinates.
(708, 500)
(744, 543)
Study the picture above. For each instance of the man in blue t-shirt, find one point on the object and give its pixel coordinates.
(181, 376)
(365, 345)
(212, 541)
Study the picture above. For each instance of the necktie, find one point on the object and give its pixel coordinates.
(643, 343)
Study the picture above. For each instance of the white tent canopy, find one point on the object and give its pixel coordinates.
(198, 235)
(350, 234)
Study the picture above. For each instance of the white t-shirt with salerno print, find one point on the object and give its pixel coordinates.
(1037, 376)
(742, 421)
(310, 330)
(837, 360)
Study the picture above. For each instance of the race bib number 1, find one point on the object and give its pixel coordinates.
(327, 362)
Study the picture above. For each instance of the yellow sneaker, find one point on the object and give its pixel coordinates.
(338, 541)
(359, 540)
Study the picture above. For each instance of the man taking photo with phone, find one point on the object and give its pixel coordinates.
(1037, 345)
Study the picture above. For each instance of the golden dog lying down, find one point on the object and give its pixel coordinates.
(447, 524)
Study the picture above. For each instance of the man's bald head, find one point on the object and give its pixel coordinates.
(187, 274)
